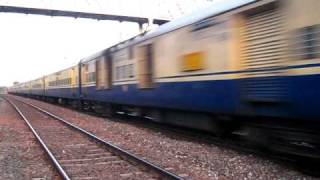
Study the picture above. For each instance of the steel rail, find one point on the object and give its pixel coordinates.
(115, 149)
(55, 162)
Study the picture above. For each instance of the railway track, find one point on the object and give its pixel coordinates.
(78, 154)
(299, 162)
(235, 142)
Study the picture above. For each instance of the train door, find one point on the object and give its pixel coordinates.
(84, 80)
(108, 72)
(79, 80)
(73, 81)
(103, 73)
(145, 66)
(43, 86)
(263, 55)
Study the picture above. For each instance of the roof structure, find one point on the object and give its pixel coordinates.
(75, 14)
(155, 9)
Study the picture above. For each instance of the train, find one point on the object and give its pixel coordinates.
(3, 90)
(244, 66)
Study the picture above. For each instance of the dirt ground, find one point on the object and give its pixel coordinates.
(21, 157)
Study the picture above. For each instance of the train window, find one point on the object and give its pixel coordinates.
(306, 43)
(36, 86)
(124, 71)
(91, 77)
(76, 82)
(52, 83)
(89, 72)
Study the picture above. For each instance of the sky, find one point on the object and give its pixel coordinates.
(32, 46)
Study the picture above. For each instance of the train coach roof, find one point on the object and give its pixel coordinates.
(213, 10)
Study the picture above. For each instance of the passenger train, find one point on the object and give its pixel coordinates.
(238, 65)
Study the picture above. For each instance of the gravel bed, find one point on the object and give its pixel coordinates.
(21, 157)
(74, 151)
(189, 159)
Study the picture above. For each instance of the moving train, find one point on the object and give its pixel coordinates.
(249, 66)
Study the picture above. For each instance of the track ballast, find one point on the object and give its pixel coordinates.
(78, 154)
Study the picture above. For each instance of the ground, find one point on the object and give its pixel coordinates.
(21, 157)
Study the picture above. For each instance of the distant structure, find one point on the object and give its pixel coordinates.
(3, 90)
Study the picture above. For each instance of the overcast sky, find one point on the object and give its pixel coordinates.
(32, 46)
